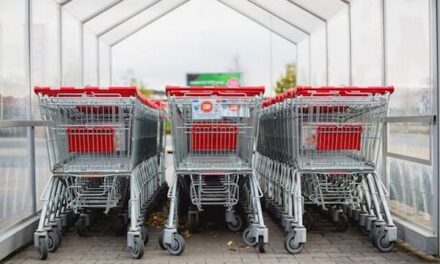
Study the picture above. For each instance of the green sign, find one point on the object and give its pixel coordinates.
(213, 79)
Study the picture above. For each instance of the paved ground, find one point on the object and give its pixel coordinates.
(213, 245)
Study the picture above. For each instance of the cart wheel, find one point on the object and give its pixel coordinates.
(236, 224)
(375, 233)
(261, 245)
(193, 223)
(291, 245)
(248, 238)
(308, 221)
(53, 240)
(342, 224)
(137, 250)
(383, 244)
(81, 227)
(161, 245)
(145, 234)
(177, 246)
(42, 249)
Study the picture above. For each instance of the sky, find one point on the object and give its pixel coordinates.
(202, 36)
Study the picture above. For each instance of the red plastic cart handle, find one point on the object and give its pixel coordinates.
(339, 91)
(96, 91)
(209, 91)
(121, 91)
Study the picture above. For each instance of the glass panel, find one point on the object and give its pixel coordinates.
(303, 63)
(121, 11)
(366, 44)
(323, 8)
(90, 58)
(411, 191)
(318, 57)
(14, 181)
(156, 11)
(71, 50)
(82, 9)
(42, 170)
(291, 13)
(207, 42)
(338, 45)
(14, 92)
(104, 64)
(409, 56)
(410, 139)
(45, 56)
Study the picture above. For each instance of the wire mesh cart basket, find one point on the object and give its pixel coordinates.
(105, 151)
(214, 132)
(320, 146)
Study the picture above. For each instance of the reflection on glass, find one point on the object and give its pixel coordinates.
(14, 93)
(411, 191)
(15, 203)
(410, 139)
(366, 36)
(408, 56)
(42, 170)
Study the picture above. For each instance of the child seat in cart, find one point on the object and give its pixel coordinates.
(319, 146)
(105, 153)
(214, 131)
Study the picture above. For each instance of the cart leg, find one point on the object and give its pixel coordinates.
(256, 234)
(172, 241)
(134, 236)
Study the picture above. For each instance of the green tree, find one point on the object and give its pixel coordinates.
(141, 86)
(288, 80)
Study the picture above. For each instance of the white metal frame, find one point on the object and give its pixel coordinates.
(435, 36)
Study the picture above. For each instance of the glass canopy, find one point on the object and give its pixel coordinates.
(114, 20)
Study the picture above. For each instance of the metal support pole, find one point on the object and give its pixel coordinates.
(60, 43)
(435, 49)
(326, 54)
(383, 43)
(81, 47)
(30, 130)
(310, 60)
(110, 61)
(98, 58)
(350, 60)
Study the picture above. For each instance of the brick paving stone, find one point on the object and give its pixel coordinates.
(324, 245)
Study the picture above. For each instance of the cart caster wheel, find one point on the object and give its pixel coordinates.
(308, 221)
(81, 227)
(53, 240)
(177, 246)
(342, 224)
(291, 245)
(236, 224)
(42, 249)
(382, 243)
(261, 245)
(161, 244)
(145, 235)
(248, 239)
(375, 233)
(137, 250)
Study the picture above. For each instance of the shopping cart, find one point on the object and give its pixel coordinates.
(105, 152)
(214, 132)
(320, 146)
